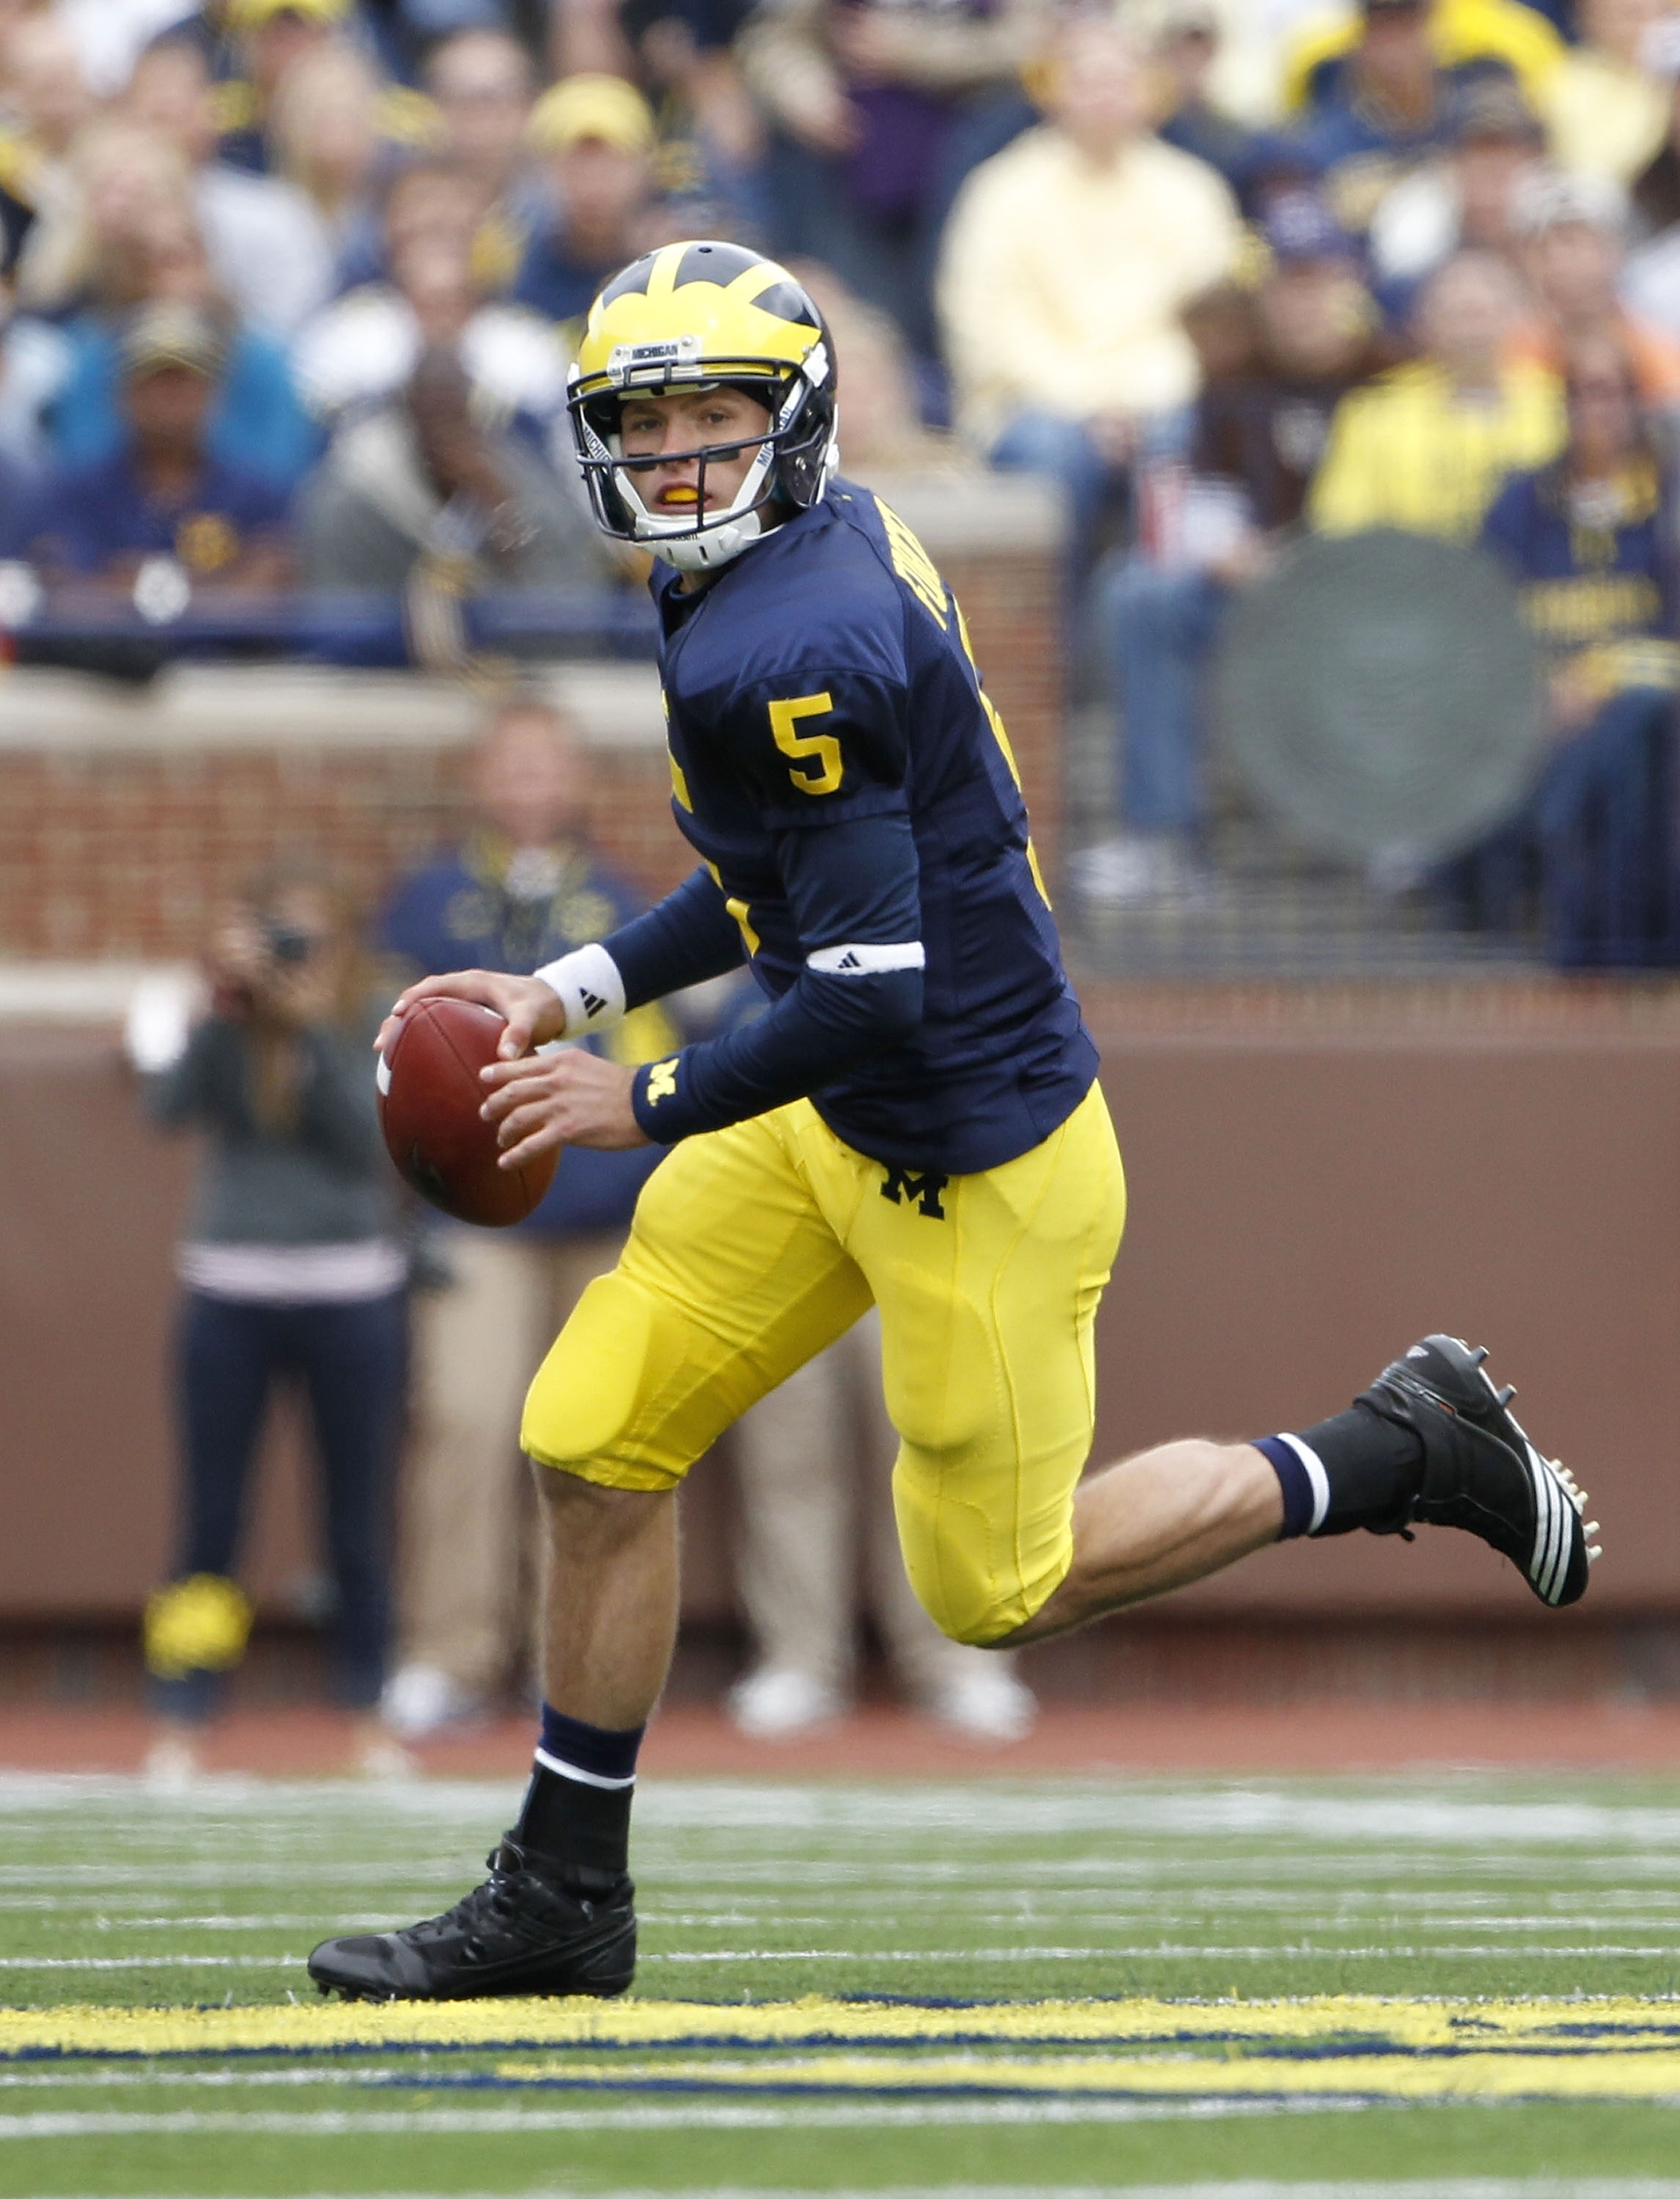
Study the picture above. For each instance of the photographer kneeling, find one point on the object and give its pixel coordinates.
(291, 1270)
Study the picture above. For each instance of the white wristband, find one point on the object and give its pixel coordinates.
(589, 989)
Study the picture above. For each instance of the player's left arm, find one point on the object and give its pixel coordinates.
(854, 890)
(827, 773)
(827, 770)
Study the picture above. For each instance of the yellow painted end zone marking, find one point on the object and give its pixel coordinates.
(1617, 2075)
(1577, 2027)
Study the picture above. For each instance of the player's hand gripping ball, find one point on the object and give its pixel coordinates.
(429, 1097)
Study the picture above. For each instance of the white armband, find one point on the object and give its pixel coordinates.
(589, 989)
(864, 961)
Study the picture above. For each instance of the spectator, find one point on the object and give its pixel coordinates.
(1655, 191)
(87, 251)
(162, 495)
(324, 131)
(1576, 230)
(1185, 53)
(1261, 428)
(876, 107)
(596, 134)
(291, 1272)
(1604, 106)
(1382, 113)
(111, 35)
(360, 352)
(271, 38)
(1068, 260)
(482, 86)
(255, 424)
(710, 165)
(883, 433)
(47, 101)
(1466, 37)
(270, 258)
(424, 203)
(1590, 542)
(813, 1461)
(1427, 447)
(1472, 196)
(525, 887)
(420, 498)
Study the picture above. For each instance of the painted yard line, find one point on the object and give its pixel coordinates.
(1090, 1891)
(151, 1961)
(1384, 1812)
(1172, 1949)
(1396, 2024)
(1457, 2187)
(804, 2113)
(61, 2080)
(1461, 2187)
(1326, 1949)
(1481, 2077)
(1653, 2077)
(373, 1922)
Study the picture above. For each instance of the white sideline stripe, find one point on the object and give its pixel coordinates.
(1326, 1948)
(1470, 2187)
(58, 2079)
(1173, 1949)
(150, 1962)
(1403, 1810)
(803, 2115)
(1316, 1474)
(861, 960)
(574, 1771)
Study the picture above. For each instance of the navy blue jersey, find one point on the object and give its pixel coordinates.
(846, 780)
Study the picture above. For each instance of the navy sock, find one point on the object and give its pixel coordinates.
(575, 1819)
(1354, 1470)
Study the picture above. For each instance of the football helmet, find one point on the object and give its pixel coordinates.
(690, 317)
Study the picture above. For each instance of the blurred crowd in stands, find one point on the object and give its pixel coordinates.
(291, 287)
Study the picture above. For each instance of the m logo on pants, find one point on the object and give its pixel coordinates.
(909, 1188)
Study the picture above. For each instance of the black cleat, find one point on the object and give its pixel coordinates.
(1480, 1472)
(518, 1933)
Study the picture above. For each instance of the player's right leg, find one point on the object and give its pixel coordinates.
(1431, 1442)
(732, 1278)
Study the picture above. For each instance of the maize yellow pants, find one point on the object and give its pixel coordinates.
(753, 1247)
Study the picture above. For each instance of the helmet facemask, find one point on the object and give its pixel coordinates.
(795, 454)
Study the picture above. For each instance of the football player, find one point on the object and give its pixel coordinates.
(914, 1120)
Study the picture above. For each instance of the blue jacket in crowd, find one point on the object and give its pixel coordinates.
(458, 913)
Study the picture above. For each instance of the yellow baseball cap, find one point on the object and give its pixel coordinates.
(591, 105)
(252, 14)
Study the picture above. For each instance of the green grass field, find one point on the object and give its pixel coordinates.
(1452, 1986)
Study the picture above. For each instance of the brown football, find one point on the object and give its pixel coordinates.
(429, 1095)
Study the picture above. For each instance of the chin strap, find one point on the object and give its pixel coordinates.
(721, 545)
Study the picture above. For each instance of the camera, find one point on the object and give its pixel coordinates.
(287, 945)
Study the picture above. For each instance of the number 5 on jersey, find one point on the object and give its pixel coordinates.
(818, 766)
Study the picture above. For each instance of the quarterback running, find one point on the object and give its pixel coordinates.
(913, 1122)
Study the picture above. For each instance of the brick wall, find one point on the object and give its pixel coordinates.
(123, 818)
